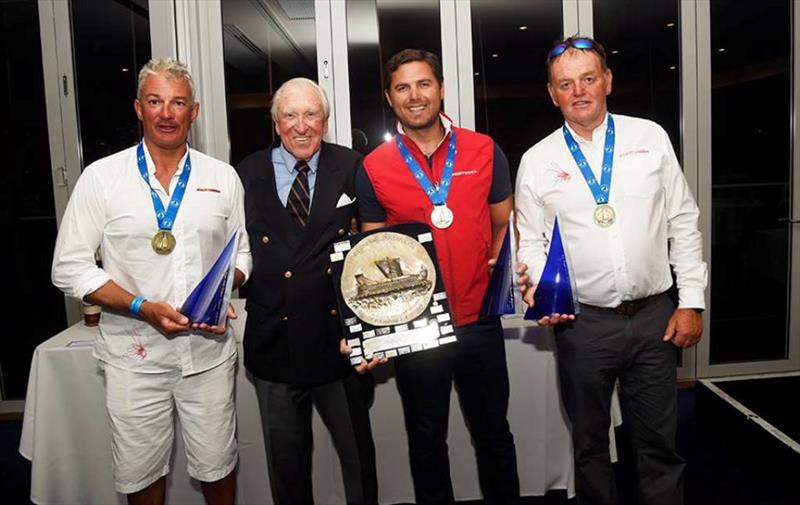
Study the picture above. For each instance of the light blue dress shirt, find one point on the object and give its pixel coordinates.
(283, 163)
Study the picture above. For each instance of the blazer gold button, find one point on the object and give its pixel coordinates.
(333, 312)
(288, 275)
(328, 271)
(285, 318)
(265, 239)
(341, 232)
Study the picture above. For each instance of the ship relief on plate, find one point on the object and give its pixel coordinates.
(390, 291)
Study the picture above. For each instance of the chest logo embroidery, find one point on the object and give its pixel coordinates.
(634, 151)
(559, 174)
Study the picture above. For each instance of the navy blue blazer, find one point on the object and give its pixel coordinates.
(293, 330)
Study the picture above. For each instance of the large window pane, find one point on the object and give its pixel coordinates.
(751, 178)
(266, 43)
(642, 41)
(376, 29)
(510, 40)
(111, 42)
(34, 309)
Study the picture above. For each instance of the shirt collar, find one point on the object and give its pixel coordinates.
(447, 124)
(290, 161)
(151, 165)
(598, 134)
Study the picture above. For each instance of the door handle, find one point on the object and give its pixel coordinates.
(61, 177)
(788, 220)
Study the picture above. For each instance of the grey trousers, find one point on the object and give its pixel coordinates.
(594, 351)
(286, 421)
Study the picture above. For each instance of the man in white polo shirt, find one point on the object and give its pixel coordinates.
(626, 215)
(160, 214)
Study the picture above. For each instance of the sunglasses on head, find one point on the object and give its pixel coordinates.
(559, 48)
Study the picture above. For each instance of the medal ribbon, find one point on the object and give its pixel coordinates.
(165, 218)
(600, 192)
(437, 195)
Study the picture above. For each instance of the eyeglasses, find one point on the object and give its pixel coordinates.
(559, 48)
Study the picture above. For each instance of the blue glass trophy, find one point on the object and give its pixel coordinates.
(499, 298)
(209, 300)
(555, 293)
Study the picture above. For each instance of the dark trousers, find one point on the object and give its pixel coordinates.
(286, 421)
(594, 351)
(477, 363)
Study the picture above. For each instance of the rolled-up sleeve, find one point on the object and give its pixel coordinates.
(75, 271)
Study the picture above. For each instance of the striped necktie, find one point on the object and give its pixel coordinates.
(299, 199)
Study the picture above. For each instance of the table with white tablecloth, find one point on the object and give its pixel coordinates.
(66, 435)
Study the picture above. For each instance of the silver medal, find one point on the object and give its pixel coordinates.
(604, 215)
(441, 216)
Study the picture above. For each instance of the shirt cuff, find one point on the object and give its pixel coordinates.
(535, 274)
(534, 271)
(691, 298)
(244, 263)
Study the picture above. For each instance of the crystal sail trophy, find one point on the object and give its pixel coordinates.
(208, 302)
(555, 291)
(499, 298)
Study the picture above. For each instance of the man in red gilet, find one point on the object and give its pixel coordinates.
(457, 181)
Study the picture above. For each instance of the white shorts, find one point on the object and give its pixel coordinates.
(140, 410)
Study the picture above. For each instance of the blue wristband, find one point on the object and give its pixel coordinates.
(136, 305)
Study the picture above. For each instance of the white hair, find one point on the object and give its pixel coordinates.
(170, 66)
(299, 82)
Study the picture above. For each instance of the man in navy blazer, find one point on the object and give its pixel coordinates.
(299, 199)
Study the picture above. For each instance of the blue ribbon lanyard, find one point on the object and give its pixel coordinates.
(601, 191)
(437, 194)
(165, 218)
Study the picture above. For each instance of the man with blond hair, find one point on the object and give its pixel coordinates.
(299, 199)
(160, 213)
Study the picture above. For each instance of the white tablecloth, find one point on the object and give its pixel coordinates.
(66, 437)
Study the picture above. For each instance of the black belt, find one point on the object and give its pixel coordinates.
(627, 308)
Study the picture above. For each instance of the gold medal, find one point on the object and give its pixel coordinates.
(163, 242)
(604, 215)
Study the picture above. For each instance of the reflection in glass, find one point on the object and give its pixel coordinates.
(106, 73)
(266, 43)
(510, 41)
(642, 41)
(751, 179)
(377, 29)
(34, 309)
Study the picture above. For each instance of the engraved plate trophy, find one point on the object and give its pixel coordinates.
(390, 292)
